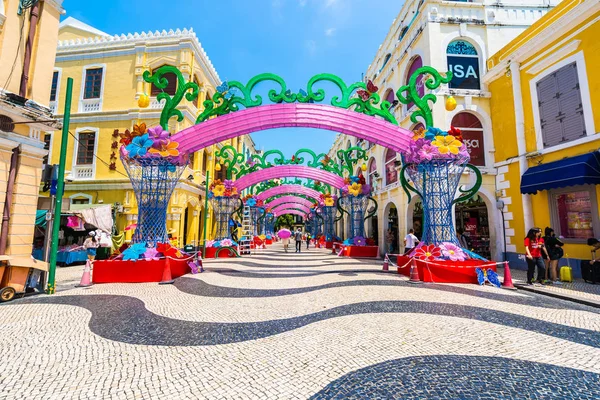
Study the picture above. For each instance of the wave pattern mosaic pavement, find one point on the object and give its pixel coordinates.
(277, 325)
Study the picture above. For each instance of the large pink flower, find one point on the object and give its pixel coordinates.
(427, 152)
(428, 252)
(452, 252)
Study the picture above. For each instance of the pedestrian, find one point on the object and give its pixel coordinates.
(286, 243)
(308, 237)
(298, 237)
(534, 248)
(389, 240)
(555, 252)
(410, 241)
(91, 245)
(462, 239)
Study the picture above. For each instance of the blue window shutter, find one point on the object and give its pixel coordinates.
(549, 111)
(569, 99)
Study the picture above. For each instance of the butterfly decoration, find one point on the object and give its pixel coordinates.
(304, 95)
(325, 161)
(225, 90)
(488, 275)
(365, 95)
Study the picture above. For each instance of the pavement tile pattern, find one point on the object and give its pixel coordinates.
(296, 326)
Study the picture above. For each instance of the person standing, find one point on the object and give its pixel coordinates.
(389, 240)
(298, 237)
(462, 239)
(534, 248)
(307, 240)
(555, 252)
(91, 245)
(410, 241)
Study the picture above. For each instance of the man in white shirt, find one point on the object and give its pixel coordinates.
(410, 241)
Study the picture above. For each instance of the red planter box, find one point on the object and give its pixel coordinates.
(328, 245)
(268, 241)
(211, 252)
(361, 251)
(444, 271)
(139, 271)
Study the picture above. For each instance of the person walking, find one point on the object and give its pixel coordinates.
(534, 248)
(298, 237)
(308, 237)
(555, 252)
(410, 241)
(389, 240)
(286, 242)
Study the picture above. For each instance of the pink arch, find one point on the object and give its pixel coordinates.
(306, 115)
(295, 171)
(285, 189)
(291, 205)
(295, 212)
(289, 199)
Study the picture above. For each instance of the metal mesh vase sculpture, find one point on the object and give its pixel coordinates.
(223, 207)
(270, 223)
(153, 180)
(328, 213)
(356, 207)
(255, 214)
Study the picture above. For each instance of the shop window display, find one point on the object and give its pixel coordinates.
(472, 217)
(574, 214)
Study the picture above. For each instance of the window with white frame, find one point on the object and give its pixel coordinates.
(391, 173)
(463, 61)
(372, 175)
(171, 88)
(54, 87)
(560, 106)
(574, 212)
(416, 63)
(472, 133)
(85, 148)
(93, 83)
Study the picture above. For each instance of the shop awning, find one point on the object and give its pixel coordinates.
(579, 170)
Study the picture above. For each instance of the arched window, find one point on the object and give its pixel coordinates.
(402, 33)
(372, 172)
(472, 132)
(391, 174)
(390, 96)
(463, 61)
(385, 61)
(171, 88)
(415, 65)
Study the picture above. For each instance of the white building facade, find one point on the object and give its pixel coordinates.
(447, 35)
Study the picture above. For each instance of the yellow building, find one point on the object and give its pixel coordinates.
(545, 112)
(28, 38)
(107, 72)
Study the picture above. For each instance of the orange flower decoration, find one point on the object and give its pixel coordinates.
(126, 137)
(419, 133)
(139, 130)
(170, 149)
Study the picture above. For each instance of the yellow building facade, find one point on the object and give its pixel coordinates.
(28, 38)
(107, 72)
(545, 107)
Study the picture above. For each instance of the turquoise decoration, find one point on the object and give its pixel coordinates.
(189, 89)
(434, 81)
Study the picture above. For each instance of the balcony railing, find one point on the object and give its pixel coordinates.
(53, 107)
(83, 172)
(90, 105)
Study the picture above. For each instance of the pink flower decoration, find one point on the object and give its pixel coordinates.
(452, 252)
(150, 253)
(428, 252)
(228, 184)
(159, 136)
(427, 152)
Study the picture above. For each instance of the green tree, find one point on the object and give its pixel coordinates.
(286, 220)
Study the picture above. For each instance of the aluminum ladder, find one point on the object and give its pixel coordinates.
(247, 236)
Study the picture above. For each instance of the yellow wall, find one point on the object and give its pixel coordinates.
(503, 115)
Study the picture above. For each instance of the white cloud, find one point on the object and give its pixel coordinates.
(302, 3)
(329, 31)
(311, 47)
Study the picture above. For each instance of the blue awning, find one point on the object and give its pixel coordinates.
(579, 170)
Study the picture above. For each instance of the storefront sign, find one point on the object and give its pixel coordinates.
(465, 72)
(474, 142)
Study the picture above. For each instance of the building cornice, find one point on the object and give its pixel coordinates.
(131, 41)
(549, 30)
(56, 4)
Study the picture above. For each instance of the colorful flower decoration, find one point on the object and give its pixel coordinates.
(226, 243)
(219, 190)
(139, 130)
(360, 241)
(419, 133)
(366, 189)
(135, 251)
(228, 184)
(433, 132)
(250, 162)
(361, 179)
(168, 251)
(452, 252)
(328, 200)
(428, 152)
(139, 146)
(251, 202)
(150, 253)
(166, 150)
(159, 136)
(447, 144)
(428, 252)
(355, 189)
(456, 133)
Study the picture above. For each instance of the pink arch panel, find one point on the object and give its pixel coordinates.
(291, 205)
(285, 189)
(271, 116)
(295, 171)
(289, 199)
(295, 212)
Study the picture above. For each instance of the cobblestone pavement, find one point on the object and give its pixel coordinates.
(578, 290)
(287, 326)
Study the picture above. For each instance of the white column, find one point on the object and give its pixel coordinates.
(521, 144)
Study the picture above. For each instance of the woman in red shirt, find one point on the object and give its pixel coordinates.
(534, 249)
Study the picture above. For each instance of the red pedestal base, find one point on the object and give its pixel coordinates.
(361, 251)
(211, 252)
(444, 271)
(328, 245)
(119, 271)
(268, 241)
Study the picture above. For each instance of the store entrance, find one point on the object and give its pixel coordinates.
(472, 217)
(393, 225)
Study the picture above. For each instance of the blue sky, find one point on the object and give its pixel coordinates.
(295, 39)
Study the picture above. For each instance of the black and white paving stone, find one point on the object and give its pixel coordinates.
(275, 325)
